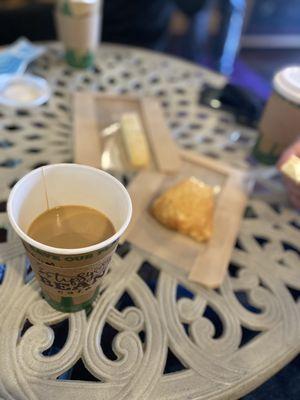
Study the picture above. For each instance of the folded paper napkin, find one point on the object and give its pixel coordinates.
(15, 58)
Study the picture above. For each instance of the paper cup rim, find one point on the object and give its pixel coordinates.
(63, 251)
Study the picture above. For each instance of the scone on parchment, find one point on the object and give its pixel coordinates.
(187, 208)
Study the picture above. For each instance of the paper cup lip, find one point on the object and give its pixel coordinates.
(63, 251)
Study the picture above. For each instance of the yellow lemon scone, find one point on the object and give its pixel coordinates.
(187, 208)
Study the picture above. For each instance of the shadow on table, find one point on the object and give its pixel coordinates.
(285, 385)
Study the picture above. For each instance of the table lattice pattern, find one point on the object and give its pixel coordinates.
(151, 334)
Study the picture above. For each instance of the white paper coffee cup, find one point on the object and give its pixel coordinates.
(78, 25)
(69, 278)
(279, 126)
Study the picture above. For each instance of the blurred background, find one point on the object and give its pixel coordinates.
(247, 40)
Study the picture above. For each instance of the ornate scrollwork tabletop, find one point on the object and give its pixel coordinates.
(151, 334)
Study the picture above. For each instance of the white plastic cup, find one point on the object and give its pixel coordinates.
(69, 278)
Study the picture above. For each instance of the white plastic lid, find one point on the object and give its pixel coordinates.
(287, 83)
(23, 90)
